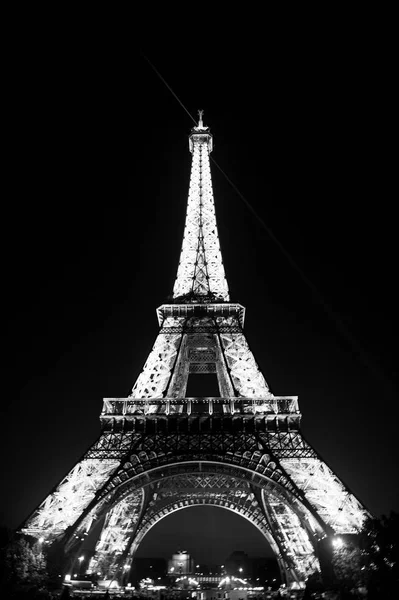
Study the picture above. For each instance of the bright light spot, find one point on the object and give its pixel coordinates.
(337, 542)
(126, 567)
(68, 577)
(295, 586)
(240, 569)
(225, 580)
(41, 540)
(81, 558)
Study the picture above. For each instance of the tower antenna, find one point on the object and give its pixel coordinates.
(200, 123)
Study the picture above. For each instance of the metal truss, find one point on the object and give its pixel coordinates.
(66, 503)
(245, 373)
(224, 491)
(238, 372)
(201, 270)
(292, 537)
(287, 444)
(116, 533)
(113, 444)
(155, 375)
(214, 432)
(158, 457)
(340, 509)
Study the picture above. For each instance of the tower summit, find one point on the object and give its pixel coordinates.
(161, 450)
(200, 275)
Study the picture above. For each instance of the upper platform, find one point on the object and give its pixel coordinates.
(224, 310)
(200, 135)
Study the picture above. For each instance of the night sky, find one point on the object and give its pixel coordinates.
(98, 205)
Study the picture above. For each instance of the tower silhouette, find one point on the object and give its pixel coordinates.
(166, 447)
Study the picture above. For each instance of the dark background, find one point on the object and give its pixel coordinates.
(99, 179)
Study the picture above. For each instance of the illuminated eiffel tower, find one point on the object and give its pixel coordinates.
(161, 450)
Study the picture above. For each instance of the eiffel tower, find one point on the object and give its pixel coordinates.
(161, 450)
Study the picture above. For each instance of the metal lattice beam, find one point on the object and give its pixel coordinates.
(71, 497)
(201, 270)
(333, 502)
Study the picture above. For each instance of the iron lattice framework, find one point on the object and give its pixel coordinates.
(160, 451)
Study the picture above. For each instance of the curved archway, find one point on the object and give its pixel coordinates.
(210, 534)
(249, 510)
(152, 466)
(279, 515)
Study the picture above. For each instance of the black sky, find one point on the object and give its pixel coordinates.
(100, 181)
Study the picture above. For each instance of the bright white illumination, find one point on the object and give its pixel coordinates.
(326, 493)
(68, 577)
(155, 375)
(247, 378)
(61, 508)
(338, 542)
(294, 537)
(201, 270)
(117, 530)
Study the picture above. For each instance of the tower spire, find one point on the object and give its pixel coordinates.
(200, 123)
(200, 274)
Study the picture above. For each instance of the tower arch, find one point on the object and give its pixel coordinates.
(233, 508)
(274, 509)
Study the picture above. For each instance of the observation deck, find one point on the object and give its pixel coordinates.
(274, 414)
(225, 310)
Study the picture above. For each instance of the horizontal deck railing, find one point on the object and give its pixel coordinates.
(278, 405)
